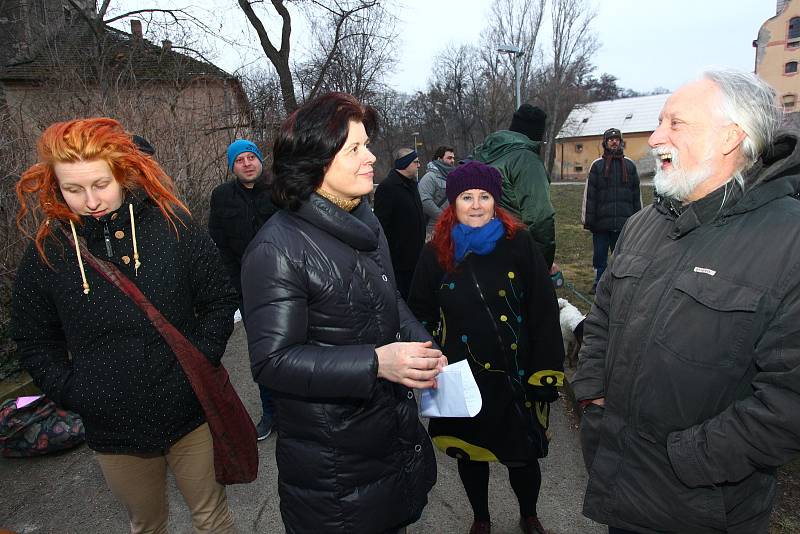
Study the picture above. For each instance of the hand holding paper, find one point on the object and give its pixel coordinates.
(457, 393)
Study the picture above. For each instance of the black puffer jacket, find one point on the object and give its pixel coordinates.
(608, 201)
(694, 341)
(319, 296)
(237, 213)
(98, 354)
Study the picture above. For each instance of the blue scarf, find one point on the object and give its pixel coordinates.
(480, 241)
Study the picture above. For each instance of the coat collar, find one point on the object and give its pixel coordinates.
(119, 218)
(359, 228)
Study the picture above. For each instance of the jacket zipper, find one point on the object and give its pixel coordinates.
(632, 408)
(107, 238)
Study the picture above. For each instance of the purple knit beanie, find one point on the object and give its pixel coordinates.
(474, 175)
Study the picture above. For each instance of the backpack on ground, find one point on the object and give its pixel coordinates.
(33, 428)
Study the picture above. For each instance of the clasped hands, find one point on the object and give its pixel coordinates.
(411, 363)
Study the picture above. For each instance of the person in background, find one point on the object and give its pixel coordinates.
(611, 196)
(331, 337)
(432, 185)
(90, 348)
(526, 187)
(399, 210)
(239, 208)
(483, 289)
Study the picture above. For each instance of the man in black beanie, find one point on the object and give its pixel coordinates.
(611, 196)
(399, 209)
(526, 187)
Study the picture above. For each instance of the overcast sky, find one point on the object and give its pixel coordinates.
(644, 43)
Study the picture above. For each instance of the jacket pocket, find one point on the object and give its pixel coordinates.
(626, 272)
(590, 433)
(707, 319)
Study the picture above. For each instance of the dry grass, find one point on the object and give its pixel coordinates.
(574, 244)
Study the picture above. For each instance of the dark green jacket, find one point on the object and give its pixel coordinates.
(526, 188)
(694, 342)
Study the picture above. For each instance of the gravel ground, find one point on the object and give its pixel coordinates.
(65, 493)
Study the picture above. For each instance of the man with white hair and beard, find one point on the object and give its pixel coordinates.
(690, 369)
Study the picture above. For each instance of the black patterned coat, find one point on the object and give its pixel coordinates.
(499, 312)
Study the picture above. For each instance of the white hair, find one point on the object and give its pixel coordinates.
(749, 102)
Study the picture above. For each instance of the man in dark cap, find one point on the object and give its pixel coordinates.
(611, 196)
(399, 209)
(526, 187)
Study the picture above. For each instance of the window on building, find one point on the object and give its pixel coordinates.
(794, 28)
(790, 67)
(578, 168)
(578, 147)
(789, 102)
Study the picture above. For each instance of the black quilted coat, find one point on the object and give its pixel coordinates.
(319, 297)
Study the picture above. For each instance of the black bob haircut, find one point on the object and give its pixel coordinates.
(308, 141)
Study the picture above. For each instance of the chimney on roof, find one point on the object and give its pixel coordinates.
(779, 7)
(166, 44)
(136, 28)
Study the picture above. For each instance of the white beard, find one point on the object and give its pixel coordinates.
(679, 183)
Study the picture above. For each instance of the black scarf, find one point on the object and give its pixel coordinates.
(610, 155)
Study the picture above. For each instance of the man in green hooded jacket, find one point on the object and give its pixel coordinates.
(526, 187)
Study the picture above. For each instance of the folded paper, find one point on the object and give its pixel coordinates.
(456, 394)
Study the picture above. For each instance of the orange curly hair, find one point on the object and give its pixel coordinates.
(88, 140)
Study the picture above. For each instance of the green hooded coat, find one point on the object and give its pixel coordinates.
(526, 187)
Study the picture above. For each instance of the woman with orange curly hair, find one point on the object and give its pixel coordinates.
(482, 288)
(94, 199)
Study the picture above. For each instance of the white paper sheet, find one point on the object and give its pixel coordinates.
(457, 394)
(24, 401)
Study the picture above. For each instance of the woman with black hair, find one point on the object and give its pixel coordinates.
(330, 336)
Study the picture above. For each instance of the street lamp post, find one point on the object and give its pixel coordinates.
(415, 134)
(517, 60)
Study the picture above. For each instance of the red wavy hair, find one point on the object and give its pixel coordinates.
(88, 140)
(442, 241)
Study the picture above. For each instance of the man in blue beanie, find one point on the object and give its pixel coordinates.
(238, 210)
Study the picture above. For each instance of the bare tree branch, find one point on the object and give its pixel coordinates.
(278, 58)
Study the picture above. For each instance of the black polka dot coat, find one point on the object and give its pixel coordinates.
(98, 354)
(499, 312)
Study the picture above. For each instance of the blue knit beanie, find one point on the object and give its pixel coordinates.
(239, 146)
(474, 175)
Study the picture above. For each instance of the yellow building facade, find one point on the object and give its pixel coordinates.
(574, 157)
(777, 59)
(580, 140)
